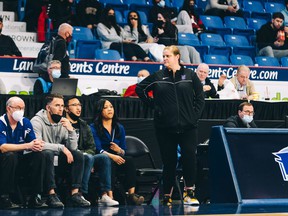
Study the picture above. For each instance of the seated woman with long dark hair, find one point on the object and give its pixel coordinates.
(109, 137)
(113, 37)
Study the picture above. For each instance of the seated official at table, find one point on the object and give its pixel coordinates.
(244, 119)
(208, 87)
(43, 84)
(241, 82)
(130, 92)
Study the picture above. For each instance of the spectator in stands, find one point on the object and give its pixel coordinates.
(140, 34)
(223, 8)
(109, 137)
(60, 140)
(113, 37)
(61, 12)
(208, 87)
(188, 20)
(88, 13)
(272, 38)
(43, 84)
(178, 103)
(33, 9)
(64, 36)
(160, 7)
(20, 152)
(243, 85)
(285, 13)
(92, 162)
(7, 45)
(130, 92)
(244, 119)
(164, 32)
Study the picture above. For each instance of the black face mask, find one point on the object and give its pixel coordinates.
(112, 19)
(56, 118)
(73, 116)
(159, 23)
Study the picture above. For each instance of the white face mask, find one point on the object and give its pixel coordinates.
(161, 4)
(56, 73)
(247, 119)
(18, 115)
(140, 79)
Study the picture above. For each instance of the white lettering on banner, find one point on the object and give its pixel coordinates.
(230, 72)
(22, 66)
(81, 67)
(111, 68)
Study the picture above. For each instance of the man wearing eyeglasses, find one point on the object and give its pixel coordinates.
(101, 162)
(20, 151)
(43, 84)
(244, 119)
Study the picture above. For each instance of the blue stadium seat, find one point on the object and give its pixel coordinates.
(120, 18)
(254, 23)
(86, 49)
(267, 61)
(238, 26)
(240, 45)
(216, 44)
(241, 60)
(107, 54)
(272, 7)
(139, 7)
(256, 9)
(137, 2)
(201, 3)
(79, 33)
(284, 61)
(178, 4)
(216, 59)
(215, 24)
(188, 39)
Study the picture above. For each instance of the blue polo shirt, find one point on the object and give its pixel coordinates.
(23, 133)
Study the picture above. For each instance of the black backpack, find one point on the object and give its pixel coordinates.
(45, 55)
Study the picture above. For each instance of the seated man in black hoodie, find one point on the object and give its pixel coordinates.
(244, 119)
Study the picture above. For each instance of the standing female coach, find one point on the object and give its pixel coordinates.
(178, 103)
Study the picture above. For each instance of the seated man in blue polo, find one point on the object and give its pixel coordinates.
(244, 119)
(43, 84)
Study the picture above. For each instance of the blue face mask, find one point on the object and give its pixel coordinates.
(56, 73)
(247, 119)
(161, 4)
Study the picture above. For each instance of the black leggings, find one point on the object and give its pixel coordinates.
(129, 50)
(168, 143)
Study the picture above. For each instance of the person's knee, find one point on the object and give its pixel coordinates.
(103, 160)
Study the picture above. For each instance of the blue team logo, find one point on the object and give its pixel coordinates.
(282, 160)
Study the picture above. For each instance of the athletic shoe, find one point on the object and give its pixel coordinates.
(135, 199)
(6, 203)
(53, 201)
(107, 201)
(77, 200)
(167, 201)
(189, 198)
(37, 202)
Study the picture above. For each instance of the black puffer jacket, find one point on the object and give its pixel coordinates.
(178, 102)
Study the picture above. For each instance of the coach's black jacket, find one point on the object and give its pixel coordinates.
(178, 102)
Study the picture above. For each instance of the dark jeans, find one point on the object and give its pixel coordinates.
(127, 169)
(129, 50)
(73, 171)
(168, 142)
(31, 165)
